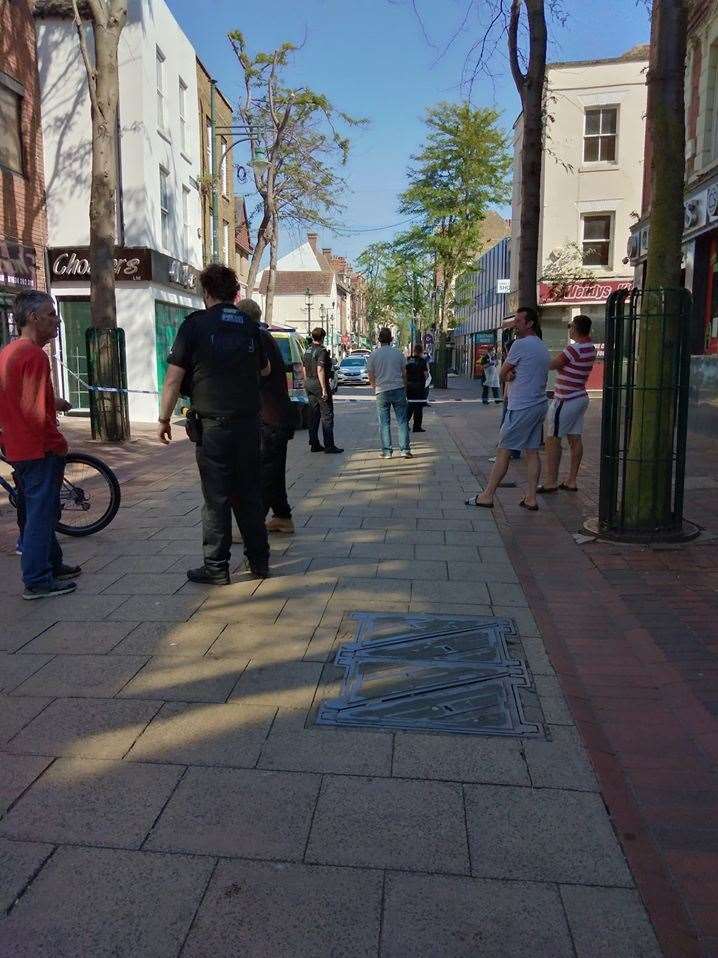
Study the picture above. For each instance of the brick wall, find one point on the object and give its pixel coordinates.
(22, 198)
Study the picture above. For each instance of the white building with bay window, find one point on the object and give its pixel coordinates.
(591, 188)
(159, 244)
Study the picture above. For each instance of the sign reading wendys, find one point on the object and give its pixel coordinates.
(581, 291)
(72, 265)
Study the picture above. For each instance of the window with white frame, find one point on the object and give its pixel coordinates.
(225, 241)
(165, 207)
(10, 136)
(599, 135)
(210, 145)
(161, 105)
(596, 245)
(223, 167)
(186, 221)
(184, 138)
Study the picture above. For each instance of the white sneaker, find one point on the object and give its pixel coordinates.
(387, 455)
(408, 454)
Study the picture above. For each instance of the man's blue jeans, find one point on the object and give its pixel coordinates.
(384, 403)
(40, 483)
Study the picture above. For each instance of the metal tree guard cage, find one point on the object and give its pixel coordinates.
(107, 369)
(644, 420)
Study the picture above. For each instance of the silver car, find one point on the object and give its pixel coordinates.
(352, 371)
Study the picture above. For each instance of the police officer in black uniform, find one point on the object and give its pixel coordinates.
(318, 370)
(217, 360)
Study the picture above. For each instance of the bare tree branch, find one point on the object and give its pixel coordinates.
(89, 69)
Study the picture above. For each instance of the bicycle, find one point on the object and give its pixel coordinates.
(89, 498)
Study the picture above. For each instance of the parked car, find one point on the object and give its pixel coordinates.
(291, 345)
(352, 371)
(360, 352)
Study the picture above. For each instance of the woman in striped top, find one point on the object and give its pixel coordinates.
(570, 402)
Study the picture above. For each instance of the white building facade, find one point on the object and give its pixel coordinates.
(592, 180)
(159, 245)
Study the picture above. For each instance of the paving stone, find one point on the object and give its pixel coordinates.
(286, 684)
(417, 537)
(460, 758)
(93, 676)
(460, 593)
(421, 601)
(238, 813)
(204, 734)
(609, 923)
(362, 593)
(148, 609)
(525, 622)
(16, 712)
(338, 751)
(534, 653)
(477, 571)
(170, 638)
(16, 668)
(379, 551)
(542, 835)
(138, 565)
(561, 762)
(451, 917)
(14, 637)
(80, 637)
(412, 569)
(186, 679)
(505, 593)
(553, 703)
(76, 607)
(98, 901)
(313, 550)
(351, 566)
(445, 553)
(19, 861)
(18, 772)
(80, 801)
(255, 909)
(387, 823)
(85, 728)
(147, 584)
(322, 644)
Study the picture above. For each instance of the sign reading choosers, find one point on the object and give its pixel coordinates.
(132, 265)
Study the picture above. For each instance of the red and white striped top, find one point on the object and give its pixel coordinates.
(571, 380)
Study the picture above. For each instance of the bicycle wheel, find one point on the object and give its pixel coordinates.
(90, 496)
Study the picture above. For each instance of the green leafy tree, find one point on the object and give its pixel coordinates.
(459, 173)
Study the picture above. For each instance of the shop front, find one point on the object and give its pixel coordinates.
(18, 271)
(560, 302)
(154, 293)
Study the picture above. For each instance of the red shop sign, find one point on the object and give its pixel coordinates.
(581, 290)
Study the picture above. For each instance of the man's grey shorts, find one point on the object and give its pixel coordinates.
(521, 428)
(565, 416)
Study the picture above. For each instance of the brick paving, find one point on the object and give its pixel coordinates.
(632, 633)
(164, 791)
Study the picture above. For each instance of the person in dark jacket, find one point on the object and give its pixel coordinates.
(276, 416)
(417, 373)
(318, 369)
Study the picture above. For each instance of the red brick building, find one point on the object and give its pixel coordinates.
(23, 227)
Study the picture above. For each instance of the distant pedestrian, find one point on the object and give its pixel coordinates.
(490, 366)
(569, 405)
(276, 416)
(417, 374)
(318, 371)
(33, 444)
(217, 359)
(526, 368)
(386, 368)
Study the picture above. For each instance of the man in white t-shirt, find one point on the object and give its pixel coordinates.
(386, 368)
(526, 368)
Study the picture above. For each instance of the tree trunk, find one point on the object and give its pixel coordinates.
(258, 252)
(272, 274)
(648, 490)
(530, 86)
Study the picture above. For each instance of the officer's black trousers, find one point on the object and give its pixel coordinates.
(274, 470)
(321, 410)
(229, 467)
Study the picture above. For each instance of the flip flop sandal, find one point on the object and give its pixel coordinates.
(568, 488)
(525, 505)
(546, 490)
(479, 505)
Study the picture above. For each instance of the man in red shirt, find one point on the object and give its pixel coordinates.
(33, 444)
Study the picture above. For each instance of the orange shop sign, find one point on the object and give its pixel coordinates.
(581, 291)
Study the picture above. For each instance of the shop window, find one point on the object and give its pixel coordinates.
(10, 129)
(184, 136)
(186, 222)
(596, 244)
(210, 146)
(599, 137)
(165, 207)
(160, 72)
(225, 241)
(224, 172)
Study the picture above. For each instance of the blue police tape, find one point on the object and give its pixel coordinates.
(107, 389)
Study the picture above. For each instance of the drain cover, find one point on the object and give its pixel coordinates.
(434, 673)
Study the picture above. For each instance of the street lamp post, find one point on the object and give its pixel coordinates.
(308, 301)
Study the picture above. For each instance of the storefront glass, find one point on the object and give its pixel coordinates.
(168, 319)
(76, 320)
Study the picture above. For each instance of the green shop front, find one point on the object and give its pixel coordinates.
(154, 293)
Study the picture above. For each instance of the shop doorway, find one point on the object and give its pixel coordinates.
(76, 320)
(6, 327)
(168, 319)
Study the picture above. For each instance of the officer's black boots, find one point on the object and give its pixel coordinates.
(260, 570)
(207, 576)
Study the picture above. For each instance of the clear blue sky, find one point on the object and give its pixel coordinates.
(373, 59)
